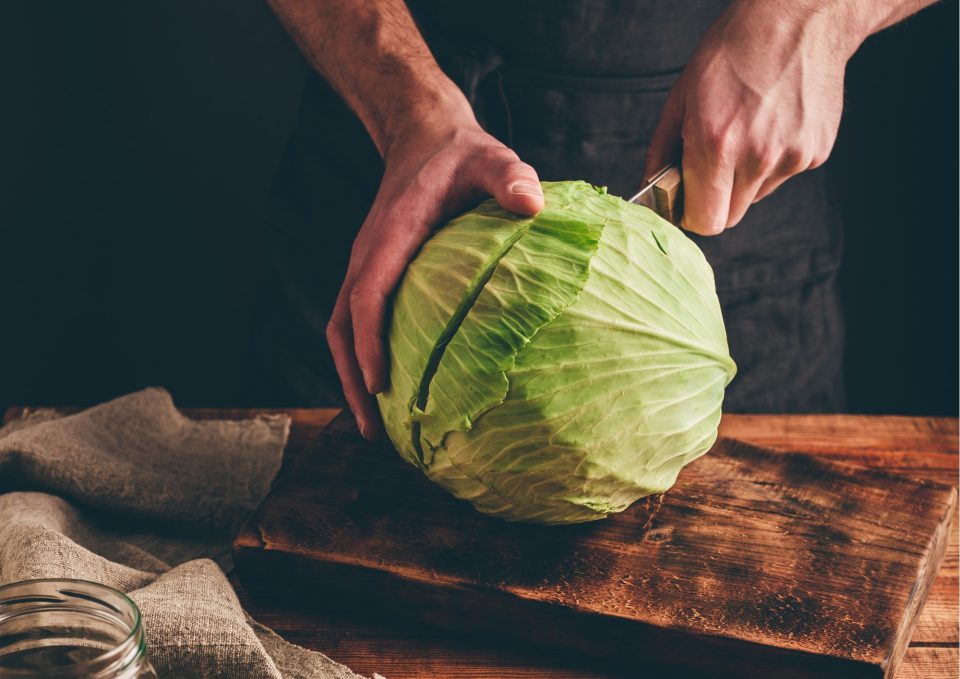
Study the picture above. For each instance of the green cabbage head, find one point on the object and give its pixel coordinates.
(555, 369)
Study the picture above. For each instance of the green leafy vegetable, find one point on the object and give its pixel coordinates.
(556, 368)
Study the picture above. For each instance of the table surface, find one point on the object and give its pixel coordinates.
(919, 447)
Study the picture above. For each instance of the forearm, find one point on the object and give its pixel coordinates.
(872, 16)
(373, 55)
(853, 21)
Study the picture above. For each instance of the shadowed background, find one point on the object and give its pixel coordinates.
(137, 145)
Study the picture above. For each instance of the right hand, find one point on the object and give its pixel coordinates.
(433, 171)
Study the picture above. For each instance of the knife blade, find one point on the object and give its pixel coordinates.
(663, 193)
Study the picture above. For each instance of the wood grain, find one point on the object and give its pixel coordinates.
(918, 444)
(806, 567)
(930, 662)
(919, 447)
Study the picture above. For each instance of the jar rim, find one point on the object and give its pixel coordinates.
(99, 664)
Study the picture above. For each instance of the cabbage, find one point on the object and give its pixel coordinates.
(555, 369)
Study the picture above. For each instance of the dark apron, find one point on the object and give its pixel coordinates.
(576, 88)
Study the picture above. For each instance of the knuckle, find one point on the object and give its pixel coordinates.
(733, 220)
(765, 158)
(507, 154)
(767, 164)
(334, 331)
(719, 138)
(514, 168)
(366, 299)
(517, 166)
(363, 292)
(498, 155)
(794, 158)
(476, 155)
(517, 173)
(819, 159)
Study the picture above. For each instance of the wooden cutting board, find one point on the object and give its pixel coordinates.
(756, 564)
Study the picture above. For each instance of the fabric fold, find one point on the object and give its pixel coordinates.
(134, 495)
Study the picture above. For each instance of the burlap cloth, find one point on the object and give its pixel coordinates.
(134, 495)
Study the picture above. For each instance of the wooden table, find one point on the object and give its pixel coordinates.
(919, 447)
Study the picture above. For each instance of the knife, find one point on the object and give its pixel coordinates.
(663, 193)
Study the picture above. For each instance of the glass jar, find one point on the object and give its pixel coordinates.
(70, 629)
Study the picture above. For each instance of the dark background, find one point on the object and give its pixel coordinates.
(138, 141)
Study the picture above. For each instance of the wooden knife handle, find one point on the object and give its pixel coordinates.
(668, 195)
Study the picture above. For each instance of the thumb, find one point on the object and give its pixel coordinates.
(513, 183)
(665, 143)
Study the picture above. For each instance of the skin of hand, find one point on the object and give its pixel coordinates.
(430, 174)
(760, 101)
(438, 162)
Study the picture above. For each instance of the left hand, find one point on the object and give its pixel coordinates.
(759, 102)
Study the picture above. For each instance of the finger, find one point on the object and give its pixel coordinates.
(768, 187)
(745, 187)
(340, 339)
(791, 164)
(513, 183)
(707, 185)
(665, 143)
(379, 275)
(368, 311)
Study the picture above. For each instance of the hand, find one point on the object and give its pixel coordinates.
(759, 102)
(432, 172)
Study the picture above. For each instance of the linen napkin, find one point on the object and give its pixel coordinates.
(134, 495)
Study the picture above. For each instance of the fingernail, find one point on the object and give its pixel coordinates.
(362, 426)
(366, 381)
(525, 189)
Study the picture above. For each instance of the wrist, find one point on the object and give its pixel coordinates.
(842, 25)
(420, 108)
(425, 118)
(834, 27)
